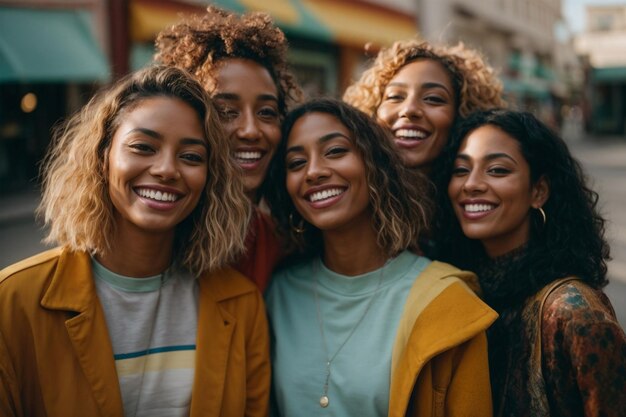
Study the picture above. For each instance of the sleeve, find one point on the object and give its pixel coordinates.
(469, 391)
(9, 392)
(584, 354)
(258, 362)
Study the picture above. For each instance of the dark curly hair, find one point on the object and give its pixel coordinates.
(398, 196)
(198, 43)
(572, 241)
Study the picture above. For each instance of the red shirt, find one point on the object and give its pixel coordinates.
(263, 250)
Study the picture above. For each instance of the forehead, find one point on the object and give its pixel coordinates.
(423, 70)
(243, 74)
(313, 126)
(490, 139)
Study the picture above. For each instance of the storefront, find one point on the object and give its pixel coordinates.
(50, 63)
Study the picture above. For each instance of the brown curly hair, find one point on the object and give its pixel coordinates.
(198, 43)
(475, 82)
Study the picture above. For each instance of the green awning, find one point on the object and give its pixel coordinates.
(536, 88)
(614, 74)
(49, 46)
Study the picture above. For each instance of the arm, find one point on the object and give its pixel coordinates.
(584, 353)
(469, 391)
(9, 392)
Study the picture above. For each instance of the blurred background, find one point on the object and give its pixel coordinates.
(564, 60)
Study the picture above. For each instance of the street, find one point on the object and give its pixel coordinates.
(604, 161)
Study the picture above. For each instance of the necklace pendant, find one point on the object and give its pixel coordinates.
(323, 401)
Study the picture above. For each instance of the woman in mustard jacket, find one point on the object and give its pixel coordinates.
(136, 314)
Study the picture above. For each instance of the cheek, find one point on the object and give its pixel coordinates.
(385, 115)
(272, 134)
(291, 184)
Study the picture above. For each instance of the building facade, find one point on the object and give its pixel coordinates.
(603, 46)
(517, 37)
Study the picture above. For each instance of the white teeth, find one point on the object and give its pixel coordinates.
(475, 208)
(248, 155)
(410, 133)
(323, 195)
(156, 195)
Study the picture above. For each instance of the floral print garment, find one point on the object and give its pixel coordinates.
(583, 357)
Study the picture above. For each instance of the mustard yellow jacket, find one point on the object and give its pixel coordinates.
(440, 363)
(56, 358)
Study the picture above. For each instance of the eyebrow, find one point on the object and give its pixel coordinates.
(321, 140)
(488, 157)
(157, 135)
(233, 96)
(427, 85)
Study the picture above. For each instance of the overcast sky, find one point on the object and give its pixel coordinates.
(574, 11)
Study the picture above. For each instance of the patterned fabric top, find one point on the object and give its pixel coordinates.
(583, 354)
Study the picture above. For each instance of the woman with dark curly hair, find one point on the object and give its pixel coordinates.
(241, 60)
(418, 90)
(137, 312)
(361, 325)
(520, 214)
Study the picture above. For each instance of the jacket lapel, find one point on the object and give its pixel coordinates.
(215, 330)
(72, 289)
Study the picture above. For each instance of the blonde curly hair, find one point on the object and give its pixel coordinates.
(475, 82)
(198, 43)
(76, 205)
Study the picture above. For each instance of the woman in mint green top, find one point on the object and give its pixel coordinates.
(347, 307)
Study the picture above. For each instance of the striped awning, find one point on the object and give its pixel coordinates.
(346, 23)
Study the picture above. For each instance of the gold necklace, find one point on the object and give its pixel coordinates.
(324, 400)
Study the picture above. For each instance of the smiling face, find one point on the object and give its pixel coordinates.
(491, 190)
(247, 100)
(157, 166)
(419, 107)
(326, 175)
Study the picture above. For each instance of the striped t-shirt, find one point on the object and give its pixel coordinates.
(152, 325)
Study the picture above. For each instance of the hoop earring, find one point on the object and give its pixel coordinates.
(543, 215)
(299, 229)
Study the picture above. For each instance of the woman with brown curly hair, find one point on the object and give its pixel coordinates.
(418, 91)
(136, 313)
(241, 60)
(362, 326)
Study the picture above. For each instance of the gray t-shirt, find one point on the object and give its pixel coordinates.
(152, 325)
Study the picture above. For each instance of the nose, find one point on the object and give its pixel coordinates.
(411, 108)
(474, 183)
(248, 128)
(316, 170)
(165, 167)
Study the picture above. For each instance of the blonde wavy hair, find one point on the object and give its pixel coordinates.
(198, 43)
(76, 205)
(475, 83)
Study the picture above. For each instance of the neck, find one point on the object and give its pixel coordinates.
(353, 253)
(139, 255)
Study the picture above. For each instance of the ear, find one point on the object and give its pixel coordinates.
(540, 192)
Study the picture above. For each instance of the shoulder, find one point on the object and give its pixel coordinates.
(227, 283)
(575, 313)
(575, 300)
(449, 274)
(30, 271)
